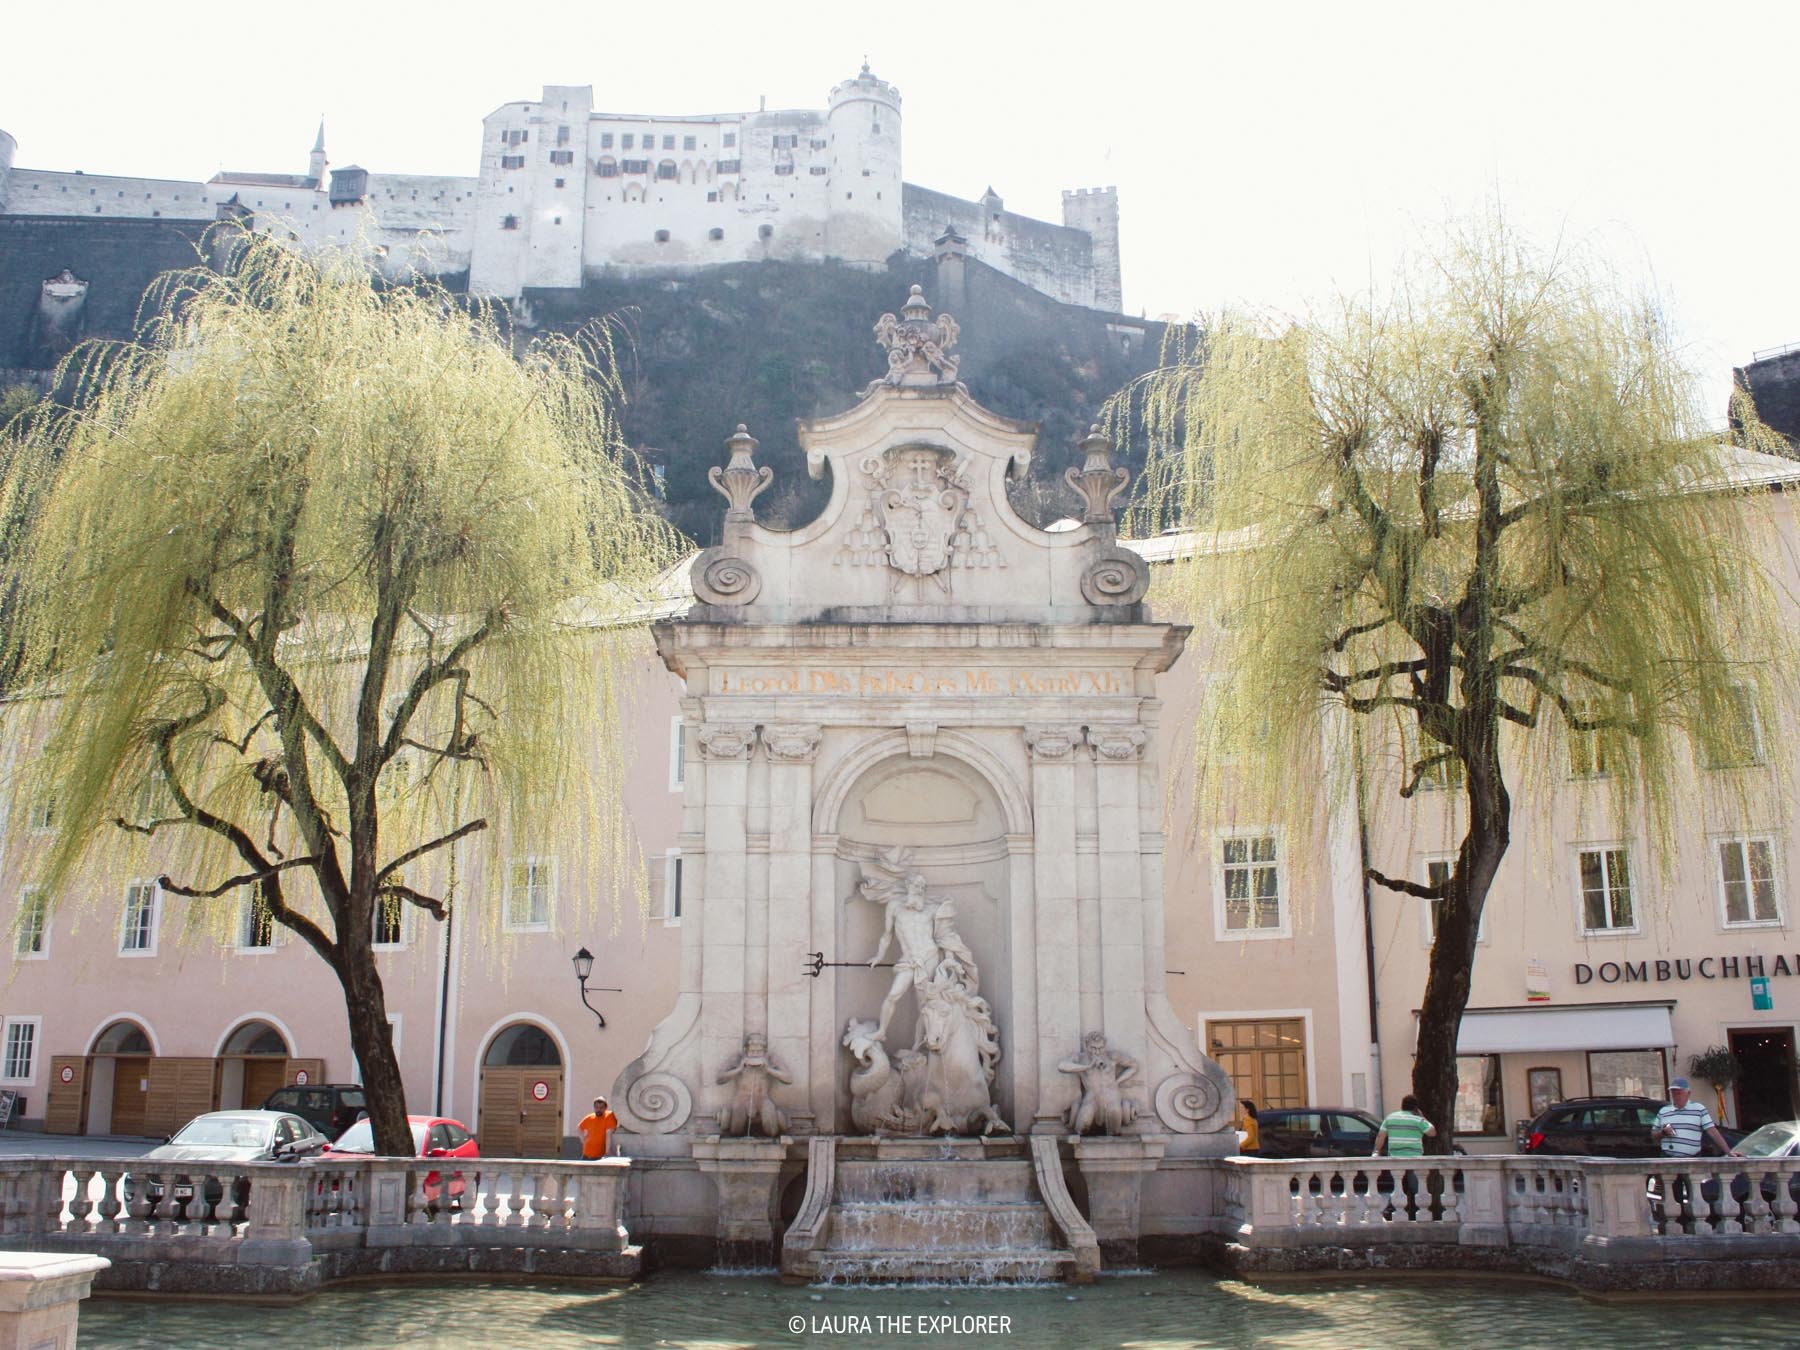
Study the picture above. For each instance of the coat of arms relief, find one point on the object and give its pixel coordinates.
(918, 521)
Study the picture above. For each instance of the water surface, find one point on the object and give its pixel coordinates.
(1159, 1311)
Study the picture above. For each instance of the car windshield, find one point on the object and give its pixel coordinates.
(360, 1138)
(1769, 1140)
(231, 1131)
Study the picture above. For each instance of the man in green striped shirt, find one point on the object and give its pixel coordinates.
(1404, 1131)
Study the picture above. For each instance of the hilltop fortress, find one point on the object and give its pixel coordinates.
(565, 192)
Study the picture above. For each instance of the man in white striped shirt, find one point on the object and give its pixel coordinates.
(1680, 1125)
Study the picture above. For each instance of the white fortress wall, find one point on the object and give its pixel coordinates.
(48, 192)
(1054, 259)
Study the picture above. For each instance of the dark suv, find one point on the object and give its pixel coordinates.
(1600, 1127)
(1315, 1132)
(330, 1108)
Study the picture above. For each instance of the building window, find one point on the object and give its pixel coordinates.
(32, 941)
(1588, 757)
(636, 166)
(1437, 873)
(517, 137)
(20, 1064)
(562, 135)
(765, 231)
(256, 925)
(668, 142)
(1739, 740)
(528, 894)
(677, 753)
(1251, 884)
(1479, 1107)
(672, 887)
(137, 929)
(559, 182)
(715, 234)
(625, 141)
(666, 170)
(662, 236)
(730, 139)
(729, 166)
(687, 142)
(1627, 1073)
(509, 222)
(1606, 892)
(607, 168)
(783, 170)
(389, 927)
(1747, 882)
(556, 220)
(819, 171)
(562, 156)
(818, 145)
(606, 140)
(512, 161)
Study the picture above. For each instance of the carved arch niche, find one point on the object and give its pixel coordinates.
(949, 818)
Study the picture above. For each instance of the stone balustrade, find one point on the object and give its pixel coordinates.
(1705, 1223)
(287, 1227)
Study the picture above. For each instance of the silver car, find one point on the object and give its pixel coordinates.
(222, 1137)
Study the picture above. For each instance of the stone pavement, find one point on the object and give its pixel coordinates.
(25, 1144)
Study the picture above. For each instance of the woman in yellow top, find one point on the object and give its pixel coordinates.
(1252, 1139)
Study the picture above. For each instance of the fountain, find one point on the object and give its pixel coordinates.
(922, 968)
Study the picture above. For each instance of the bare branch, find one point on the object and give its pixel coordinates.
(232, 883)
(1404, 887)
(460, 832)
(430, 904)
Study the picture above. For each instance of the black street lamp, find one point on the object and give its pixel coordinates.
(583, 961)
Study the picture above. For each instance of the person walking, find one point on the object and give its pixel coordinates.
(1404, 1132)
(596, 1130)
(1252, 1136)
(1680, 1126)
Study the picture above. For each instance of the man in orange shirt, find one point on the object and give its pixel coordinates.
(596, 1129)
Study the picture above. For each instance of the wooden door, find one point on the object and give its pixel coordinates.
(261, 1077)
(66, 1110)
(540, 1113)
(131, 1092)
(1266, 1060)
(180, 1089)
(305, 1072)
(497, 1128)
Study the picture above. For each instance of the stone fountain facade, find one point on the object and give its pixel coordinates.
(922, 843)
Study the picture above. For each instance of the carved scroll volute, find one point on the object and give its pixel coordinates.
(1096, 480)
(741, 480)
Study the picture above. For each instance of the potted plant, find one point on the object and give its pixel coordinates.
(1718, 1066)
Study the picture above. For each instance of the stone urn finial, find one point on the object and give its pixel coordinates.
(741, 480)
(1096, 480)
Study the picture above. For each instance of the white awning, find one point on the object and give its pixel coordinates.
(1601, 1026)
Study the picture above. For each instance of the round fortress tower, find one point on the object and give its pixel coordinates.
(863, 222)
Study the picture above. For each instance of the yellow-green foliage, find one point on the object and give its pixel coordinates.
(294, 469)
(1329, 467)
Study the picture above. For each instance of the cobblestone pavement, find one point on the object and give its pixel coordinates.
(20, 1144)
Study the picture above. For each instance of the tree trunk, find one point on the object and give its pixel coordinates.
(371, 1038)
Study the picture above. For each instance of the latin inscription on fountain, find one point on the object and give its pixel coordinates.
(978, 682)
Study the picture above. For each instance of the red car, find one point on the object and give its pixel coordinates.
(433, 1137)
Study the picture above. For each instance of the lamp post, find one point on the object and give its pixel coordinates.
(583, 961)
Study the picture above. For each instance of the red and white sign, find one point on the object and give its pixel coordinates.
(302, 1077)
(540, 1090)
(68, 1074)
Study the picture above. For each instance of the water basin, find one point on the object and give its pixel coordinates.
(1152, 1311)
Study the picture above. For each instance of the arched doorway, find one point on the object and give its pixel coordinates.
(253, 1062)
(119, 1079)
(520, 1109)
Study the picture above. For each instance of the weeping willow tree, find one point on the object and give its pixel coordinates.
(310, 577)
(1485, 511)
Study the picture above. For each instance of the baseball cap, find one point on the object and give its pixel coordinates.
(1680, 1083)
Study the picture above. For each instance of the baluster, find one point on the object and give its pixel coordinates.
(547, 1203)
(80, 1206)
(109, 1200)
(1727, 1210)
(418, 1207)
(1371, 1202)
(515, 1200)
(1756, 1210)
(1450, 1198)
(1786, 1203)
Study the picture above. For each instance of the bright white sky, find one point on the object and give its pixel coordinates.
(1263, 152)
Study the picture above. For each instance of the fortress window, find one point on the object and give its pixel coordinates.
(562, 133)
(765, 231)
(715, 233)
(730, 139)
(556, 220)
(668, 142)
(517, 137)
(606, 140)
(662, 236)
(687, 142)
(818, 171)
(559, 182)
(636, 166)
(607, 168)
(562, 156)
(818, 145)
(512, 161)
(625, 141)
(666, 169)
(783, 170)
(509, 222)
(728, 166)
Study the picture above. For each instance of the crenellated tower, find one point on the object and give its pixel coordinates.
(863, 223)
(1096, 210)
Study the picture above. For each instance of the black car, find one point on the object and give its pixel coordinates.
(331, 1108)
(1602, 1127)
(1314, 1132)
